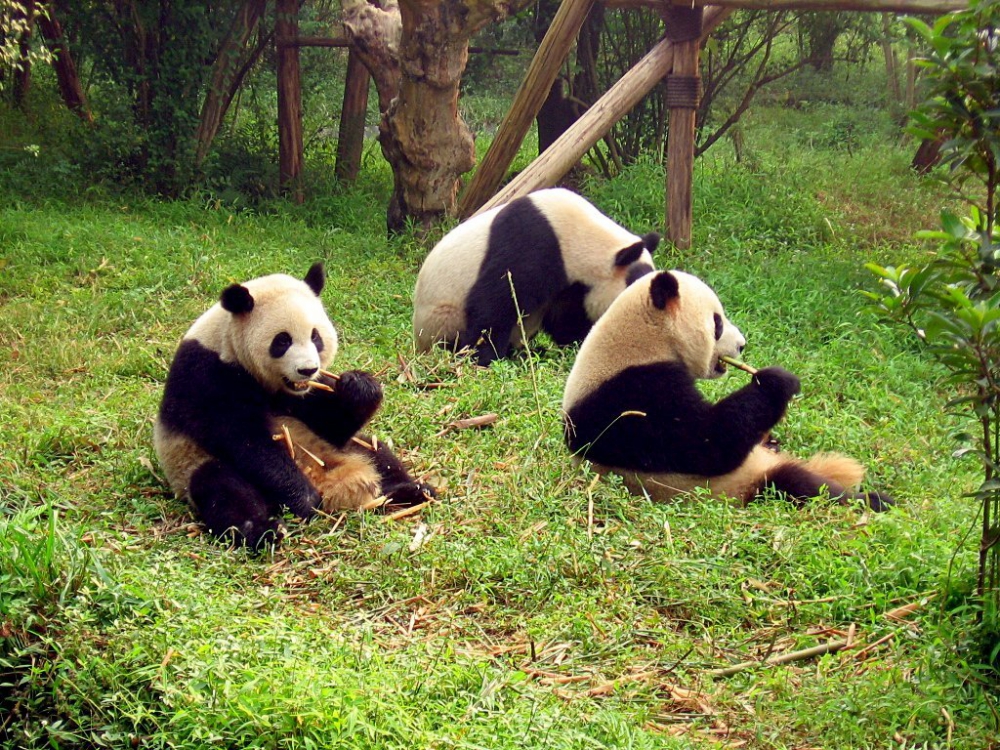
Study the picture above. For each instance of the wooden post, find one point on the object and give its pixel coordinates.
(605, 112)
(351, 138)
(683, 26)
(286, 31)
(527, 102)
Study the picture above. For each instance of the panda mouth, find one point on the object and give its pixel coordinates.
(297, 386)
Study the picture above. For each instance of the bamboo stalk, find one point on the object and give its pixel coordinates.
(739, 365)
(824, 648)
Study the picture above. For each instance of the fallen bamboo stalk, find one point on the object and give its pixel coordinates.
(807, 653)
(413, 509)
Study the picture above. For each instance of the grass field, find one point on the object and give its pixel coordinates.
(533, 605)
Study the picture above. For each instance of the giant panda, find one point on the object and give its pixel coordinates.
(250, 424)
(566, 263)
(631, 405)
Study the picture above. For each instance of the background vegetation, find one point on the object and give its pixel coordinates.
(533, 605)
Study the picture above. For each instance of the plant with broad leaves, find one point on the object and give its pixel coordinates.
(952, 302)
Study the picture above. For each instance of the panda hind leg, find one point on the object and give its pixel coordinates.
(232, 508)
(399, 487)
(799, 483)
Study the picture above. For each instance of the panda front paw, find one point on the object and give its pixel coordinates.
(778, 382)
(408, 494)
(304, 501)
(360, 389)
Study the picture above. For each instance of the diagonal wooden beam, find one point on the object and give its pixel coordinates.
(567, 150)
(528, 100)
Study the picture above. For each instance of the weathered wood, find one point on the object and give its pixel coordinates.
(227, 74)
(527, 102)
(351, 137)
(548, 168)
(286, 26)
(681, 137)
(875, 6)
(67, 77)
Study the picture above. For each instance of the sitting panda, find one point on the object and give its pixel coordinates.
(631, 405)
(245, 392)
(566, 263)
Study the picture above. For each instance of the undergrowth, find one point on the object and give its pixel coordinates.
(533, 605)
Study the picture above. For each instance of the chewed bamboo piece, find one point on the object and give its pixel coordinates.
(329, 374)
(739, 365)
(320, 386)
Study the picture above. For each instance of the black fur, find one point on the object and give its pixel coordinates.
(523, 243)
(251, 477)
(799, 484)
(566, 318)
(653, 419)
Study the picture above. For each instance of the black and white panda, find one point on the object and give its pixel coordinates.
(245, 372)
(631, 405)
(566, 262)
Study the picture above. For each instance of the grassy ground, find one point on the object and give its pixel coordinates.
(533, 605)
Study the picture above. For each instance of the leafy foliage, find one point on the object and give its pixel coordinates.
(953, 301)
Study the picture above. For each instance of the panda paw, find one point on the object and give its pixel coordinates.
(409, 494)
(779, 382)
(360, 389)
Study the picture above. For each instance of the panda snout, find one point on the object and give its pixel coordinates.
(307, 372)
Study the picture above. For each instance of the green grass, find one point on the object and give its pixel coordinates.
(543, 608)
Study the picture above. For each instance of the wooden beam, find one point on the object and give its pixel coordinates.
(874, 6)
(286, 26)
(528, 100)
(570, 147)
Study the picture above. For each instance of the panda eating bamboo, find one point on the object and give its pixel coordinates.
(250, 422)
(631, 405)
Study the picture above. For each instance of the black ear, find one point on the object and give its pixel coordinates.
(237, 299)
(662, 289)
(316, 278)
(628, 255)
(651, 241)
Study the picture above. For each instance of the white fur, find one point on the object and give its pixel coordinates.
(589, 240)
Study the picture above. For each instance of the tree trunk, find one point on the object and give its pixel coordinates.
(286, 29)
(351, 136)
(423, 137)
(227, 75)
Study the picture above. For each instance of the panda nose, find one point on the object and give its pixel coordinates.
(307, 371)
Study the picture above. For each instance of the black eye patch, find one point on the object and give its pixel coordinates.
(317, 340)
(718, 326)
(280, 344)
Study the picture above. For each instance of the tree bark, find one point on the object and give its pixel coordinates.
(227, 75)
(351, 136)
(423, 137)
(286, 28)
(66, 74)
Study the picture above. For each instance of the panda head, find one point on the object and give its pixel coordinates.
(278, 330)
(690, 324)
(628, 265)
(665, 316)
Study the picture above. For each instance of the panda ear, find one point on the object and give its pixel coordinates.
(316, 278)
(628, 255)
(237, 299)
(651, 241)
(662, 289)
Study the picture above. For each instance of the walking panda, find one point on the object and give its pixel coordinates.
(565, 260)
(631, 405)
(246, 391)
